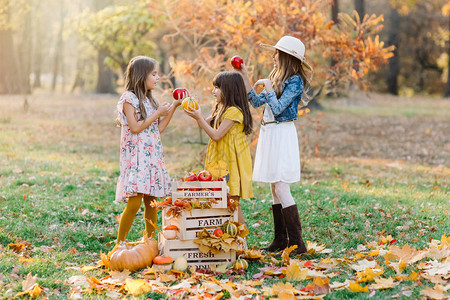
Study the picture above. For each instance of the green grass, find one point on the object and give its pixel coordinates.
(58, 181)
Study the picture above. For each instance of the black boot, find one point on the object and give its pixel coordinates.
(280, 239)
(294, 229)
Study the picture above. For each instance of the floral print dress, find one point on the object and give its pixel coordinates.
(142, 166)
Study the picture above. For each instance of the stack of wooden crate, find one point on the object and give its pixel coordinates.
(193, 221)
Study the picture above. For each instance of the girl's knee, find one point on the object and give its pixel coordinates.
(134, 203)
(281, 188)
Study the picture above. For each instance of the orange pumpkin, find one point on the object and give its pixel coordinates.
(189, 103)
(134, 256)
(170, 232)
(171, 227)
(162, 260)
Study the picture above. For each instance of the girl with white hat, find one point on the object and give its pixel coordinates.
(277, 159)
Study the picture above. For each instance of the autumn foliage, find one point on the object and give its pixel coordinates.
(218, 31)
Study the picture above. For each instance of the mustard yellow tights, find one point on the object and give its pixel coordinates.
(130, 211)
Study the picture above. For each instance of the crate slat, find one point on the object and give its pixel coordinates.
(198, 184)
(191, 222)
(189, 249)
(178, 191)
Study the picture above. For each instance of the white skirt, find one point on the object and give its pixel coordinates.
(277, 155)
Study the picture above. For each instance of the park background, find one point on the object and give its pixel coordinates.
(374, 147)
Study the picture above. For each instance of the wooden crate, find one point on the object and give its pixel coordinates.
(191, 222)
(190, 189)
(189, 249)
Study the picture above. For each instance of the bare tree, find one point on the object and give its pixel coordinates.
(447, 91)
(359, 7)
(57, 62)
(394, 62)
(10, 82)
(105, 74)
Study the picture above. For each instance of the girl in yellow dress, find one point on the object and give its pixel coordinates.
(228, 151)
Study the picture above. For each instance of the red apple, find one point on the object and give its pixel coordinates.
(191, 177)
(236, 62)
(168, 201)
(205, 176)
(178, 203)
(178, 93)
(218, 232)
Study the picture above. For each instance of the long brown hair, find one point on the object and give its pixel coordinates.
(137, 71)
(233, 93)
(287, 66)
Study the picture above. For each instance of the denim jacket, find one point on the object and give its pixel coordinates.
(285, 108)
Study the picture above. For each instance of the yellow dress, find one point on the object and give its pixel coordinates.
(231, 155)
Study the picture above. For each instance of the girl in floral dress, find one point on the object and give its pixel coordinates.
(143, 174)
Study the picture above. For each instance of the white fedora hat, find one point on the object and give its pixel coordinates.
(292, 46)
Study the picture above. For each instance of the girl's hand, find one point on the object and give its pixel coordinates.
(266, 82)
(163, 109)
(195, 114)
(242, 70)
(177, 103)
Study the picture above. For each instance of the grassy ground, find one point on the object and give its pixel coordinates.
(371, 166)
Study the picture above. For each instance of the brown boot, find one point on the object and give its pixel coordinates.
(280, 239)
(294, 229)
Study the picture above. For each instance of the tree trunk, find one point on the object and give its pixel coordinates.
(58, 49)
(359, 7)
(165, 68)
(105, 74)
(10, 82)
(334, 18)
(447, 91)
(333, 62)
(25, 54)
(394, 62)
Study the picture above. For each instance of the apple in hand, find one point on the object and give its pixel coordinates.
(218, 232)
(204, 176)
(236, 62)
(178, 93)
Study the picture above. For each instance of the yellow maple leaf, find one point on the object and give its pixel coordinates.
(88, 268)
(321, 286)
(286, 295)
(284, 287)
(30, 287)
(437, 254)
(374, 252)
(407, 254)
(368, 275)
(362, 265)
(397, 266)
(253, 254)
(413, 276)
(295, 273)
(137, 286)
(285, 255)
(17, 247)
(383, 283)
(25, 259)
(314, 248)
(445, 241)
(385, 239)
(438, 292)
(355, 287)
